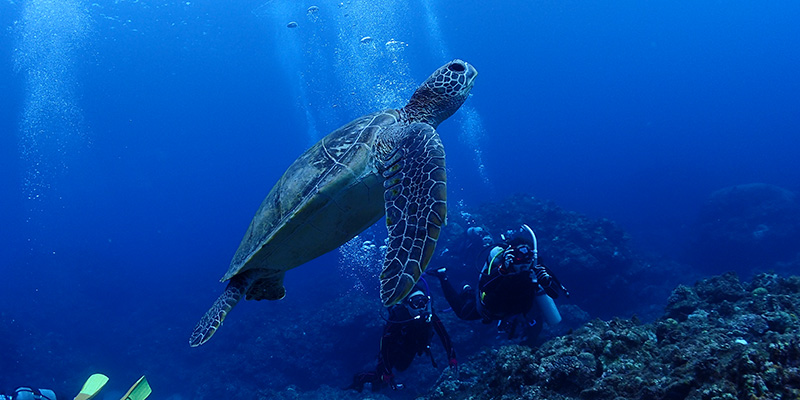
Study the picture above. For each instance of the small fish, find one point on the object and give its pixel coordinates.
(291, 25)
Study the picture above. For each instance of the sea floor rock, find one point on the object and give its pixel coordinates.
(748, 228)
(720, 339)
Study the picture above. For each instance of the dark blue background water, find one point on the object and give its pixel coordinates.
(158, 129)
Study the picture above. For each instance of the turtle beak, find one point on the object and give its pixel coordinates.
(470, 73)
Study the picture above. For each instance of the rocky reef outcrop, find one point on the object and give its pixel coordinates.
(719, 339)
(592, 257)
(747, 228)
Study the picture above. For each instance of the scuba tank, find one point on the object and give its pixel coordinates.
(548, 308)
(27, 393)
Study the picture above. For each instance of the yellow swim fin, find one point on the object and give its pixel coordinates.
(92, 387)
(139, 391)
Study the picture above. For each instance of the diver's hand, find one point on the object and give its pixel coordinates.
(508, 259)
(453, 363)
(453, 366)
(545, 281)
(542, 276)
(389, 380)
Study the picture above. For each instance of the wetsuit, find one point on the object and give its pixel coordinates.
(500, 296)
(404, 338)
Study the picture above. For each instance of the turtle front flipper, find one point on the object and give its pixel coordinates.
(416, 207)
(213, 318)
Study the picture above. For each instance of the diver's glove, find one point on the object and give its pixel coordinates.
(453, 366)
(389, 380)
(508, 260)
(546, 281)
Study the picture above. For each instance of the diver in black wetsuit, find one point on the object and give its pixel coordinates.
(513, 287)
(407, 334)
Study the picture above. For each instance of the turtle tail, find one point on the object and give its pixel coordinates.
(213, 318)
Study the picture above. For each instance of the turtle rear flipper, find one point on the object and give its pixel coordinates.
(416, 207)
(213, 318)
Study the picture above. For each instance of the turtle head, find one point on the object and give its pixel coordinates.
(441, 94)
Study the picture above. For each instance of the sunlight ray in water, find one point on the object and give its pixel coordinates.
(473, 133)
(295, 29)
(49, 34)
(345, 59)
(370, 57)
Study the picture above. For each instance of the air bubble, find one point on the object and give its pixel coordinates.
(50, 35)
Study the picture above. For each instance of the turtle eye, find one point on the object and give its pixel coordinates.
(457, 67)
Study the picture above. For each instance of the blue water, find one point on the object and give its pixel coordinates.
(139, 137)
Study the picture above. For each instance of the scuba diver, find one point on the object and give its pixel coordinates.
(139, 391)
(513, 287)
(407, 334)
(29, 393)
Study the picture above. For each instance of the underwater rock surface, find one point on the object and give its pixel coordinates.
(747, 228)
(719, 339)
(592, 257)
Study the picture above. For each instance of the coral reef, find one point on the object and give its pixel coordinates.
(720, 339)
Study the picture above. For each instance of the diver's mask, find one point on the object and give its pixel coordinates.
(419, 305)
(517, 259)
(522, 255)
(522, 246)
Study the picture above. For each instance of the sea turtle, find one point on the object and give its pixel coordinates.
(389, 162)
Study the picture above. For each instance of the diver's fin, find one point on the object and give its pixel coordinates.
(139, 391)
(416, 205)
(92, 386)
